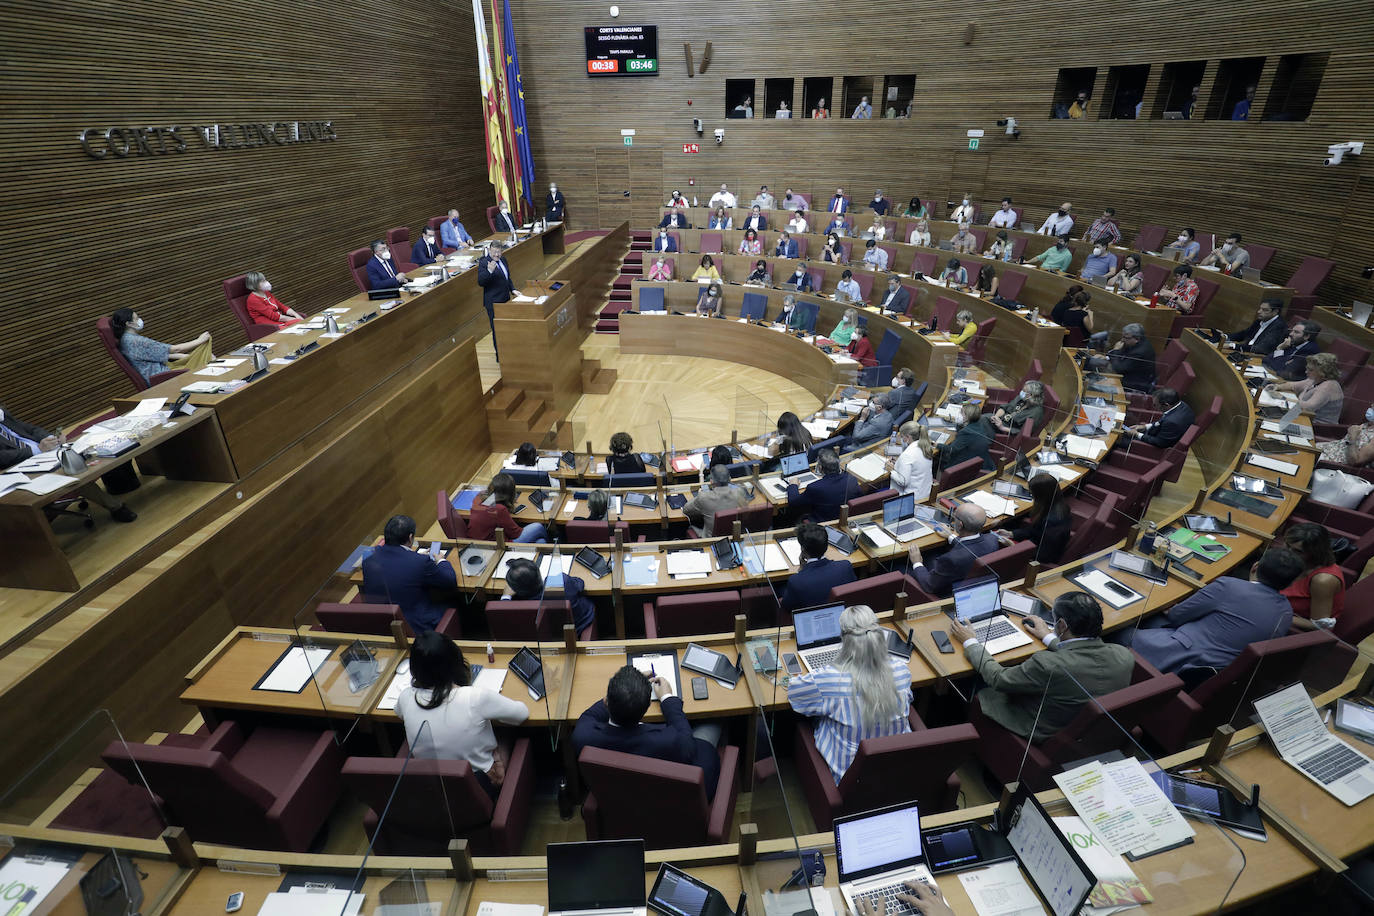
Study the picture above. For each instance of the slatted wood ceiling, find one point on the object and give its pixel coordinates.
(83, 237)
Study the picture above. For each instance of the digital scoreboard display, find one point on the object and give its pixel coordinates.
(622, 50)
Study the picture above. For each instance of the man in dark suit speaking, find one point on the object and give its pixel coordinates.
(493, 275)
(615, 724)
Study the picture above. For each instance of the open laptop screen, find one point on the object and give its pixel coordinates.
(879, 841)
(898, 508)
(793, 464)
(975, 598)
(817, 626)
(596, 876)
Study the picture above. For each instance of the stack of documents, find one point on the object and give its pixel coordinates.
(992, 504)
(1082, 447)
(1123, 807)
(641, 570)
(1269, 398)
(753, 450)
(688, 563)
(309, 901)
(1272, 464)
(766, 558)
(1059, 472)
(774, 487)
(868, 468)
(820, 429)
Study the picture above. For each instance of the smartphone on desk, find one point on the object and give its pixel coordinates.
(942, 642)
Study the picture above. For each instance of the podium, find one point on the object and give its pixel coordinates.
(540, 342)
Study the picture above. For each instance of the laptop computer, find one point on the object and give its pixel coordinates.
(978, 605)
(1303, 741)
(1360, 312)
(818, 635)
(603, 878)
(797, 469)
(899, 518)
(876, 853)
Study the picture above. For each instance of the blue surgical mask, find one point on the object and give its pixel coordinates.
(1369, 415)
(136, 324)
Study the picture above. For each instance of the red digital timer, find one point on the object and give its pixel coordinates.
(603, 66)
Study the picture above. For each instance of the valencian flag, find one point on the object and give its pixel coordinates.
(503, 94)
(522, 159)
(496, 147)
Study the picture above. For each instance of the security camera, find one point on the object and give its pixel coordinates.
(720, 135)
(1011, 129)
(696, 125)
(1338, 151)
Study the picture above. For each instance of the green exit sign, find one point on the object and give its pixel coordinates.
(973, 143)
(645, 65)
(629, 141)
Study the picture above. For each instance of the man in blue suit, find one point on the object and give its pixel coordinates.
(396, 574)
(810, 586)
(800, 278)
(1172, 423)
(426, 250)
(786, 247)
(675, 220)
(493, 275)
(756, 220)
(615, 724)
(821, 500)
(664, 242)
(838, 204)
(381, 273)
(969, 543)
(1213, 626)
(452, 233)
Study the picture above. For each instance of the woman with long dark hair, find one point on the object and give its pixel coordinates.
(1048, 523)
(149, 357)
(795, 438)
(484, 519)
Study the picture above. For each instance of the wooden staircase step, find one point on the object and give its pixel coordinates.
(504, 400)
(527, 411)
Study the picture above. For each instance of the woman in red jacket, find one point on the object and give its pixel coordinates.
(486, 519)
(861, 349)
(265, 308)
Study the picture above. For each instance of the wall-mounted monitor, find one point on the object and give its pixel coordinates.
(622, 50)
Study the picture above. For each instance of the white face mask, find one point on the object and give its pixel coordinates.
(1227, 247)
(137, 323)
(384, 255)
(1183, 240)
(429, 240)
(894, 383)
(553, 189)
(266, 287)
(966, 201)
(1097, 249)
(799, 272)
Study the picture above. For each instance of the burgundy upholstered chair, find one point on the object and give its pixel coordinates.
(665, 803)
(878, 592)
(945, 310)
(450, 522)
(924, 263)
(751, 518)
(398, 240)
(710, 243)
(1006, 563)
(106, 335)
(918, 766)
(598, 532)
(271, 789)
(1311, 273)
(435, 801)
(373, 618)
(357, 267)
(1260, 255)
(959, 474)
(542, 621)
(691, 614)
(870, 502)
(236, 293)
(1150, 237)
(978, 344)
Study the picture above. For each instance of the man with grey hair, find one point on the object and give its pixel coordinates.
(1289, 360)
(967, 543)
(876, 425)
(1134, 359)
(718, 496)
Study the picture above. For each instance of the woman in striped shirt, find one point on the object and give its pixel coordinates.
(865, 695)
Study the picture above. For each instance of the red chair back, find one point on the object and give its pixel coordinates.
(692, 615)
(945, 310)
(914, 294)
(1262, 668)
(1006, 563)
(710, 243)
(587, 532)
(1206, 292)
(916, 766)
(236, 294)
(372, 619)
(870, 502)
(1311, 273)
(1150, 237)
(106, 334)
(357, 259)
(847, 248)
(1106, 724)
(801, 245)
(1357, 620)
(1260, 256)
(1085, 537)
(521, 621)
(1018, 247)
(398, 240)
(1174, 354)
(1182, 378)
(630, 796)
(1010, 284)
(865, 281)
(980, 235)
(960, 474)
(751, 518)
(978, 346)
(491, 219)
(924, 263)
(1350, 357)
(427, 803)
(878, 592)
(1152, 278)
(450, 522)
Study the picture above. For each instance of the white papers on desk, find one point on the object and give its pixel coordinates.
(753, 450)
(46, 483)
(337, 310)
(775, 487)
(215, 370)
(689, 563)
(37, 464)
(487, 908)
(399, 682)
(1272, 464)
(202, 388)
(991, 503)
(147, 407)
(1083, 447)
(279, 361)
(491, 678)
(876, 536)
(791, 548)
(1060, 472)
(664, 666)
(20, 873)
(850, 405)
(1123, 807)
(950, 412)
(1296, 431)
(545, 561)
(1299, 736)
(820, 429)
(1256, 372)
(641, 569)
(1095, 581)
(1000, 890)
(294, 669)
(301, 329)
(1269, 398)
(570, 507)
(331, 336)
(971, 386)
(868, 468)
(772, 556)
(10, 481)
(302, 901)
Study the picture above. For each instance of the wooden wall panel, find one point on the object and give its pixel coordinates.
(1265, 179)
(82, 237)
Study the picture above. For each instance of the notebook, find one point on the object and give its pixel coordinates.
(1304, 742)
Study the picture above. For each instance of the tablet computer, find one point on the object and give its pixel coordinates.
(711, 663)
(676, 893)
(594, 562)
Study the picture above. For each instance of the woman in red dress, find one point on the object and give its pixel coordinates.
(265, 308)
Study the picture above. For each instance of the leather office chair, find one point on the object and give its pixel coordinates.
(891, 251)
(865, 281)
(1104, 725)
(817, 280)
(435, 222)
(945, 310)
(1006, 563)
(1311, 273)
(691, 614)
(809, 312)
(582, 531)
(919, 766)
(398, 240)
(751, 518)
(106, 335)
(651, 299)
(1150, 237)
(427, 803)
(711, 243)
(236, 294)
(373, 617)
(754, 306)
(1010, 284)
(870, 502)
(959, 474)
(833, 442)
(1349, 356)
(1140, 407)
(1018, 247)
(271, 788)
(980, 235)
(1094, 532)
(1260, 256)
(1152, 277)
(536, 620)
(848, 249)
(450, 522)
(491, 219)
(924, 262)
(630, 796)
(878, 592)
(357, 261)
(978, 344)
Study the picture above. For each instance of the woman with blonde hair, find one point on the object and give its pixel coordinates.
(913, 469)
(865, 694)
(1029, 404)
(1320, 394)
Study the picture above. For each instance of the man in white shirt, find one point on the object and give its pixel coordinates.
(874, 256)
(723, 198)
(763, 200)
(1060, 222)
(964, 212)
(1005, 217)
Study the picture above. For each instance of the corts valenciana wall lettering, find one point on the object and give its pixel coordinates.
(126, 142)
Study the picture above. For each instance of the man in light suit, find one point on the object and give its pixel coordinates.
(811, 584)
(786, 247)
(970, 541)
(381, 273)
(664, 242)
(821, 500)
(756, 220)
(1172, 423)
(426, 250)
(675, 220)
(396, 574)
(1042, 694)
(453, 234)
(493, 275)
(837, 203)
(616, 724)
(897, 298)
(1213, 626)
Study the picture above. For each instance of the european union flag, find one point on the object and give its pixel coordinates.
(517, 107)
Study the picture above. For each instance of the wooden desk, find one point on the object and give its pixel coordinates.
(190, 448)
(1336, 324)
(543, 345)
